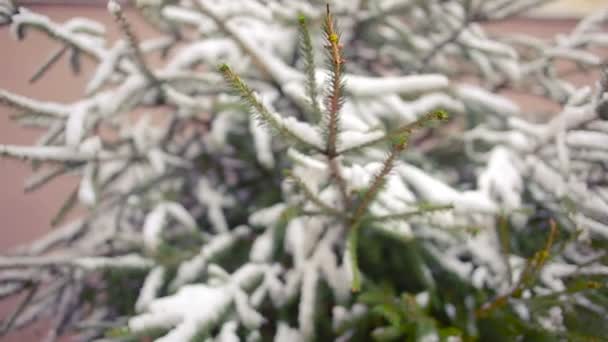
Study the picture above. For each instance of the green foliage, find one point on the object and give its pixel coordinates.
(357, 207)
(401, 317)
(409, 294)
(307, 51)
(122, 286)
(178, 248)
(123, 334)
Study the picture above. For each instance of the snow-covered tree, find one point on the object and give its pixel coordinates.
(395, 193)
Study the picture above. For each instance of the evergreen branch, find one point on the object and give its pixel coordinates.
(324, 207)
(336, 173)
(75, 260)
(42, 178)
(48, 64)
(132, 41)
(352, 244)
(423, 121)
(39, 107)
(307, 50)
(409, 214)
(368, 198)
(528, 276)
(55, 32)
(334, 100)
(452, 38)
(378, 181)
(65, 208)
(261, 113)
(335, 96)
(46, 153)
(505, 238)
(256, 59)
(8, 324)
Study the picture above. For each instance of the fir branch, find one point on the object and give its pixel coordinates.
(39, 107)
(334, 100)
(8, 324)
(368, 198)
(307, 50)
(260, 112)
(24, 19)
(132, 40)
(379, 179)
(206, 9)
(324, 207)
(421, 122)
(352, 244)
(336, 173)
(48, 64)
(409, 214)
(505, 238)
(452, 38)
(65, 208)
(335, 91)
(46, 153)
(72, 260)
(527, 277)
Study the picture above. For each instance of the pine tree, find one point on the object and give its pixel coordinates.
(393, 194)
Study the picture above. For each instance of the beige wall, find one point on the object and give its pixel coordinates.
(571, 8)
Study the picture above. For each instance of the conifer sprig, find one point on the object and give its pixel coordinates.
(334, 100)
(527, 277)
(352, 219)
(438, 115)
(335, 91)
(260, 112)
(423, 121)
(409, 214)
(351, 245)
(379, 179)
(307, 51)
(133, 41)
(324, 207)
(368, 198)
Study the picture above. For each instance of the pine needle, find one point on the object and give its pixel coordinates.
(307, 51)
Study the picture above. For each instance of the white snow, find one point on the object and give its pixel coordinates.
(371, 86)
(304, 131)
(45, 153)
(114, 7)
(587, 139)
(191, 309)
(262, 140)
(152, 284)
(501, 180)
(352, 139)
(268, 216)
(191, 269)
(479, 97)
(153, 227)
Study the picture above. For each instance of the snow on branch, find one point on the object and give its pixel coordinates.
(199, 219)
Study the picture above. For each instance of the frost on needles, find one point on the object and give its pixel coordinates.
(352, 207)
(281, 198)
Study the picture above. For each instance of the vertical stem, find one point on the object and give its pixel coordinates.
(133, 42)
(387, 167)
(334, 101)
(352, 244)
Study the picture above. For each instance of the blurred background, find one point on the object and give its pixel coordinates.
(25, 216)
